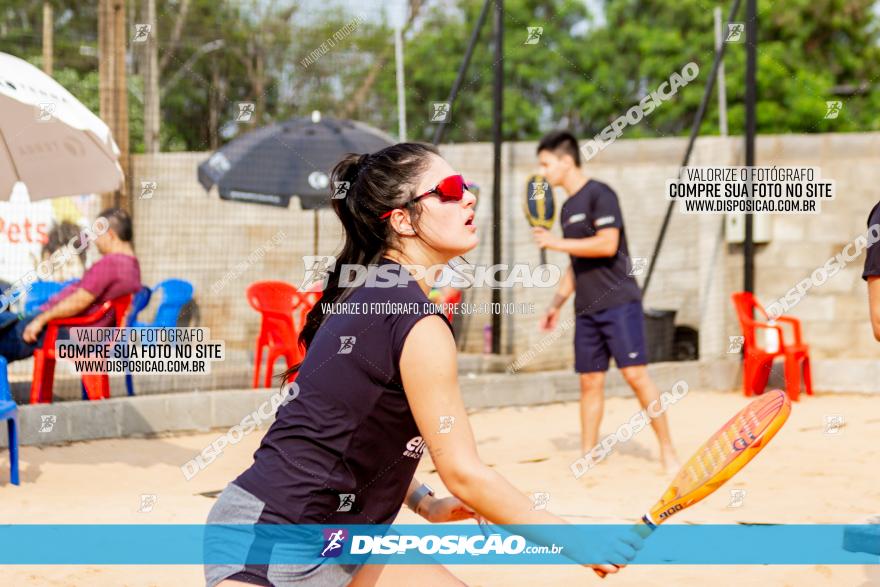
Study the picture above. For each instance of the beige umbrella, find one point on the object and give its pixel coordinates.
(48, 140)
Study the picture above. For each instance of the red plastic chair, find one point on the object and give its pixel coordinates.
(283, 308)
(758, 361)
(96, 385)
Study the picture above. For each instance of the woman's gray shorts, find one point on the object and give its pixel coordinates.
(237, 506)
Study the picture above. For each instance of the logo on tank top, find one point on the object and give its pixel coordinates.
(414, 448)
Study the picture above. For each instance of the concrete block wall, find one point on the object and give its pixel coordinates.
(224, 246)
(834, 314)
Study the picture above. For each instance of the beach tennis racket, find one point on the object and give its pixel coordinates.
(720, 458)
(539, 206)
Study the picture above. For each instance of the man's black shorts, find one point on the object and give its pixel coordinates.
(617, 332)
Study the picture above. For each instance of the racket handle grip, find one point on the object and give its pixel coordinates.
(483, 527)
(644, 529)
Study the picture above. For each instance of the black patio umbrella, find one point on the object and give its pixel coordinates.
(270, 165)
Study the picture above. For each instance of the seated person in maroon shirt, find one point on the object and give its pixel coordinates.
(117, 273)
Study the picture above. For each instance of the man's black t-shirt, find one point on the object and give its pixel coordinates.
(600, 282)
(350, 430)
(872, 261)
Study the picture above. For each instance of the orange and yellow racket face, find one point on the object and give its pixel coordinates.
(725, 453)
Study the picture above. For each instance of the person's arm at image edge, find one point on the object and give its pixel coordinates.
(874, 304)
(430, 377)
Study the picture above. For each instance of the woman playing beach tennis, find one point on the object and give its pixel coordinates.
(376, 387)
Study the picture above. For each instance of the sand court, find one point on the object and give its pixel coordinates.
(821, 468)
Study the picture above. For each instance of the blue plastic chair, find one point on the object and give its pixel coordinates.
(9, 412)
(176, 293)
(138, 303)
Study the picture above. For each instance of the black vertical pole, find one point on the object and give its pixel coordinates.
(497, 103)
(462, 69)
(751, 96)
(695, 131)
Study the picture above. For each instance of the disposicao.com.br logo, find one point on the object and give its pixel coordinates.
(433, 544)
(334, 542)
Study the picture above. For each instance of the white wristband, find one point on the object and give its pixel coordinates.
(416, 497)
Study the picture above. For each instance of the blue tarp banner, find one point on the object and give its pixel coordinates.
(450, 544)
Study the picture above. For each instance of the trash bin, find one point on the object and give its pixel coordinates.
(660, 334)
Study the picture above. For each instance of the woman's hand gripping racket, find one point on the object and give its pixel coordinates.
(719, 459)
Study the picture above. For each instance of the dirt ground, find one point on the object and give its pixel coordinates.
(806, 475)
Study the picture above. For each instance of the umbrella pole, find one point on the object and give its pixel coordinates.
(315, 230)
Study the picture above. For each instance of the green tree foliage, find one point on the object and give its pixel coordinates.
(533, 73)
(586, 69)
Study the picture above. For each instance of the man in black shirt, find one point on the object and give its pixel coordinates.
(608, 309)
(872, 273)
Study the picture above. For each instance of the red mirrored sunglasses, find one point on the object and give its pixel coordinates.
(450, 189)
